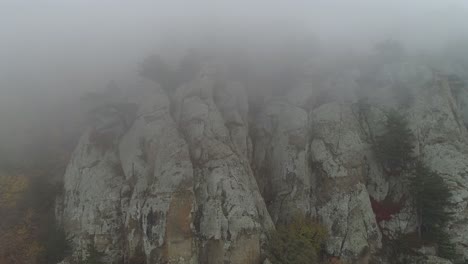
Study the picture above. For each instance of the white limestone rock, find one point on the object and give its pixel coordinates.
(280, 159)
(338, 162)
(443, 145)
(231, 217)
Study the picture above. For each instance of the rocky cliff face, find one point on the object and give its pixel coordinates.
(193, 176)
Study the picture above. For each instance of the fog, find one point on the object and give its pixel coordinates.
(52, 52)
(81, 44)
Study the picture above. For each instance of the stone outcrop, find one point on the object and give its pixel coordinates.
(133, 196)
(231, 214)
(435, 260)
(193, 176)
(443, 146)
(280, 159)
(338, 158)
(172, 187)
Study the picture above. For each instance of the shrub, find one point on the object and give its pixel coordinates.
(298, 242)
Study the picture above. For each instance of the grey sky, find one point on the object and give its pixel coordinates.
(78, 45)
(51, 50)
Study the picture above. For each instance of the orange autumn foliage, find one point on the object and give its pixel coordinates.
(11, 189)
(18, 230)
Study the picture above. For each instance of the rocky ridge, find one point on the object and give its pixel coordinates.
(193, 176)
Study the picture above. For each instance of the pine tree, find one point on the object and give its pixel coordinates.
(394, 148)
(445, 248)
(431, 199)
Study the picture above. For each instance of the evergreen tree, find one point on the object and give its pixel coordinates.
(445, 248)
(432, 198)
(394, 148)
(431, 194)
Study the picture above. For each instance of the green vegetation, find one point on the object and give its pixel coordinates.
(394, 148)
(445, 248)
(298, 242)
(432, 198)
(28, 230)
(400, 248)
(429, 192)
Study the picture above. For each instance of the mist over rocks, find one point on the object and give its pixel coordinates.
(190, 131)
(204, 171)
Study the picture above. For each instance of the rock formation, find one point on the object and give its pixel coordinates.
(192, 176)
